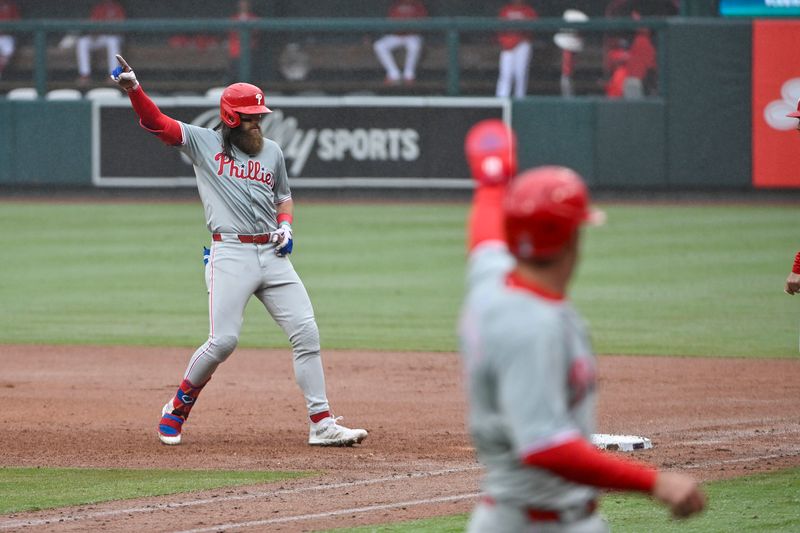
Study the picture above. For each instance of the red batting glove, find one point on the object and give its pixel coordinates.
(491, 151)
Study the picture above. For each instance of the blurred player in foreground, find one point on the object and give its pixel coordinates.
(242, 181)
(793, 280)
(530, 370)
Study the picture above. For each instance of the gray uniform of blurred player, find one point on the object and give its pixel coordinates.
(527, 391)
(529, 368)
(242, 181)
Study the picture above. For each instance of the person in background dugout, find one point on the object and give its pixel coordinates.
(243, 13)
(648, 8)
(8, 12)
(630, 59)
(516, 53)
(106, 10)
(385, 46)
(641, 64)
(571, 43)
(631, 69)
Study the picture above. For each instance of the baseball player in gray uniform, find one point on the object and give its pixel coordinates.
(242, 181)
(529, 367)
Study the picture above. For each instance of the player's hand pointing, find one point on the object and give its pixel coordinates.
(124, 75)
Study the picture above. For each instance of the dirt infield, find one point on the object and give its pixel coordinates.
(98, 407)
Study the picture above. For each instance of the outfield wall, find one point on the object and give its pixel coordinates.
(698, 136)
(45, 143)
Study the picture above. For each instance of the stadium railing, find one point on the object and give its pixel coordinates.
(460, 56)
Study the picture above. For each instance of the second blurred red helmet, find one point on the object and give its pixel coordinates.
(543, 209)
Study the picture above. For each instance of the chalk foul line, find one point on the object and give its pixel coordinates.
(59, 518)
(329, 514)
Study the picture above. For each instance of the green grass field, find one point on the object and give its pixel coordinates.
(682, 280)
(754, 504)
(655, 280)
(32, 489)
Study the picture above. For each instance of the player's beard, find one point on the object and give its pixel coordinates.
(250, 141)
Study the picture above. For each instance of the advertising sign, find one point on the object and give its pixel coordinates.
(776, 91)
(327, 142)
(759, 8)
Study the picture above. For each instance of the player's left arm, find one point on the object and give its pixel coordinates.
(533, 397)
(532, 392)
(282, 237)
(284, 209)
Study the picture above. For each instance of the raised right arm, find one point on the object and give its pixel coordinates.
(491, 152)
(150, 116)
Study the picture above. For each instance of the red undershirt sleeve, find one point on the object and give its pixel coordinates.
(153, 120)
(580, 462)
(486, 216)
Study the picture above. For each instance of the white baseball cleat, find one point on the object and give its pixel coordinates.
(328, 432)
(169, 428)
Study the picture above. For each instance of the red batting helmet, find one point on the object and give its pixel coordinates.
(795, 114)
(491, 150)
(241, 98)
(543, 209)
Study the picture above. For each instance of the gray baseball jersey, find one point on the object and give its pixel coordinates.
(530, 375)
(244, 203)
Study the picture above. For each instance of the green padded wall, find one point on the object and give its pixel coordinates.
(6, 141)
(44, 143)
(699, 8)
(556, 131)
(611, 143)
(708, 104)
(630, 144)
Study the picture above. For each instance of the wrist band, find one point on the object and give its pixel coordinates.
(796, 266)
(287, 218)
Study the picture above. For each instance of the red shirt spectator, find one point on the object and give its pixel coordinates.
(624, 62)
(107, 10)
(616, 85)
(103, 11)
(617, 62)
(234, 41)
(407, 9)
(8, 10)
(516, 10)
(642, 55)
(649, 8)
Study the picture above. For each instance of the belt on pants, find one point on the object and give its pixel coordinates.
(547, 515)
(261, 238)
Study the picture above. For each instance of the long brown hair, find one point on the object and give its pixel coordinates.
(227, 146)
